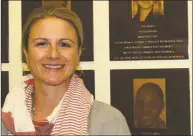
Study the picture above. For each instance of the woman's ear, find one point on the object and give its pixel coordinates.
(79, 51)
(26, 55)
(26, 67)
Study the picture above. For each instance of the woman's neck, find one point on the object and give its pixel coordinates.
(46, 98)
(144, 13)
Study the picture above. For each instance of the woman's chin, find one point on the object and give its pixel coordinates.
(54, 81)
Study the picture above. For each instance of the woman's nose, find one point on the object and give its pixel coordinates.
(53, 52)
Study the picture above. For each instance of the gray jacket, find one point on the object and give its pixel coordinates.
(103, 120)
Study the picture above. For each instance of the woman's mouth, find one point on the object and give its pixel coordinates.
(53, 66)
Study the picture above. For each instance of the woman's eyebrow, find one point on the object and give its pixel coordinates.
(38, 39)
(67, 39)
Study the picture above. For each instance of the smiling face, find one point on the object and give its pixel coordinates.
(146, 4)
(53, 52)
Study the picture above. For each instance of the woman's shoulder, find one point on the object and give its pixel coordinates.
(106, 120)
(102, 109)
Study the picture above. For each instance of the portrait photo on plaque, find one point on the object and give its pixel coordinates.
(148, 30)
(153, 101)
(149, 103)
(84, 9)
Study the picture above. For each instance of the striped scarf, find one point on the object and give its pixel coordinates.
(70, 117)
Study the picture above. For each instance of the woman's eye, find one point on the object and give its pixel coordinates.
(42, 44)
(64, 45)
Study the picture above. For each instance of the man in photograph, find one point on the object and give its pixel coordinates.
(148, 106)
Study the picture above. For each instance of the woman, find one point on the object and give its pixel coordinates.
(144, 10)
(53, 100)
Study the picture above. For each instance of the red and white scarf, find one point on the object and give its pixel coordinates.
(70, 117)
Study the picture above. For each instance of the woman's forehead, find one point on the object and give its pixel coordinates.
(52, 27)
(52, 20)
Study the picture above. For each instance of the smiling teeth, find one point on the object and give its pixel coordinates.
(53, 66)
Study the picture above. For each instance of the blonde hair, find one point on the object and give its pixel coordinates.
(59, 12)
(158, 8)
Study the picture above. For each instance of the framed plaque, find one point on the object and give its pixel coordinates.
(4, 86)
(154, 101)
(5, 32)
(148, 30)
